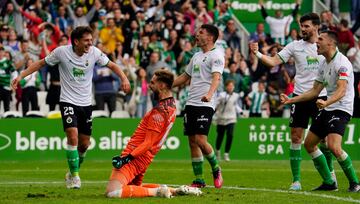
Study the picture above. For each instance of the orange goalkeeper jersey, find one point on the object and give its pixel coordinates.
(152, 131)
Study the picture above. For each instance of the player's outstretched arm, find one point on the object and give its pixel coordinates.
(31, 69)
(267, 60)
(340, 91)
(182, 79)
(311, 94)
(125, 84)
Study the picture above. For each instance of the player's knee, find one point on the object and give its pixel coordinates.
(309, 147)
(335, 149)
(296, 136)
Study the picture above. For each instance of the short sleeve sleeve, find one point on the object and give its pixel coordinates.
(188, 69)
(217, 63)
(54, 57)
(287, 52)
(343, 71)
(101, 59)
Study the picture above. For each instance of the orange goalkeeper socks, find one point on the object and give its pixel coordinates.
(132, 191)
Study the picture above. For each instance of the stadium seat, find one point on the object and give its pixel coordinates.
(54, 115)
(12, 114)
(35, 114)
(120, 114)
(99, 114)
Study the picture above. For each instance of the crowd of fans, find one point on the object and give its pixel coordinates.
(143, 36)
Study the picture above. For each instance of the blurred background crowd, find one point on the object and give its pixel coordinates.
(145, 35)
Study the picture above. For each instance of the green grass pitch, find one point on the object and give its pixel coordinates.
(244, 182)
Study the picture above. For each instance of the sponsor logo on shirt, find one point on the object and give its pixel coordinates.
(196, 68)
(311, 60)
(218, 62)
(78, 72)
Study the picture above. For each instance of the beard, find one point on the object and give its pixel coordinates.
(156, 95)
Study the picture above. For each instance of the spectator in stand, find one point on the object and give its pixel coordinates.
(256, 100)
(222, 14)
(333, 5)
(131, 32)
(110, 36)
(354, 57)
(327, 22)
(141, 94)
(227, 109)
(60, 18)
(231, 35)
(12, 42)
(169, 25)
(149, 11)
(174, 43)
(142, 52)
(105, 93)
(168, 57)
(273, 98)
(234, 76)
(30, 85)
(203, 16)
(259, 33)
(279, 25)
(275, 75)
(294, 35)
(13, 18)
(7, 73)
(78, 17)
(4, 33)
(154, 65)
(345, 37)
(171, 7)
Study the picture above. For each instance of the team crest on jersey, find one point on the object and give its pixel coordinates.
(69, 120)
(158, 118)
(312, 60)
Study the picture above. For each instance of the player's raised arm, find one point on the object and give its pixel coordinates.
(125, 84)
(267, 60)
(339, 93)
(31, 69)
(182, 79)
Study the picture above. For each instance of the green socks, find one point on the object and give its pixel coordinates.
(72, 156)
(322, 167)
(328, 155)
(197, 164)
(295, 160)
(81, 157)
(213, 161)
(346, 164)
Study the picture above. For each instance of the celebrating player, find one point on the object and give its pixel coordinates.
(126, 178)
(76, 63)
(204, 70)
(336, 75)
(307, 65)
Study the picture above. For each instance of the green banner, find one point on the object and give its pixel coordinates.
(44, 139)
(248, 11)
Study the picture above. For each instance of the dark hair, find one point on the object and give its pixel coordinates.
(78, 33)
(332, 34)
(165, 76)
(313, 17)
(229, 81)
(344, 23)
(212, 30)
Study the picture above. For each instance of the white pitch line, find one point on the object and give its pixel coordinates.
(305, 193)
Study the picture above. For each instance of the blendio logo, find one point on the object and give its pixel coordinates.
(115, 141)
(253, 7)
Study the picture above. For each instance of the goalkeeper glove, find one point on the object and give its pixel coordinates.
(118, 161)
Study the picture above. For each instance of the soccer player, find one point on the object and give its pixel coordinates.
(307, 64)
(204, 70)
(127, 176)
(76, 63)
(336, 75)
